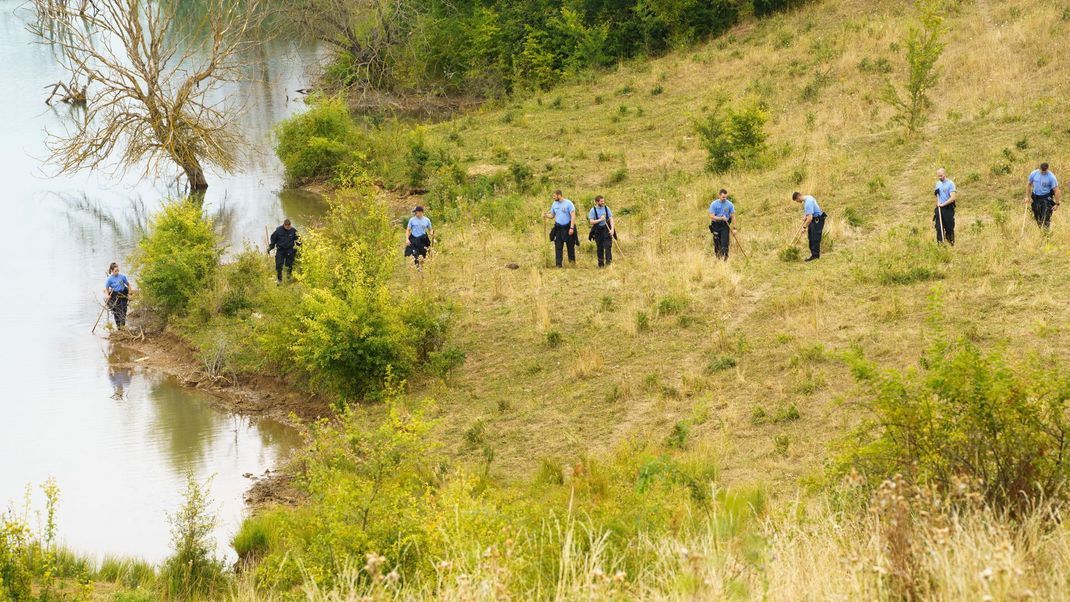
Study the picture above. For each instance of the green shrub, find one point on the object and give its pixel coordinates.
(177, 257)
(522, 175)
(316, 144)
(733, 137)
(721, 363)
(193, 571)
(966, 414)
(789, 254)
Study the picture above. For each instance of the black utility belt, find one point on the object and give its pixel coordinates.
(1044, 197)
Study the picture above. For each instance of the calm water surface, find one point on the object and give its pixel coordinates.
(120, 462)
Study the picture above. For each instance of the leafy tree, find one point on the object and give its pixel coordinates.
(733, 137)
(924, 46)
(177, 257)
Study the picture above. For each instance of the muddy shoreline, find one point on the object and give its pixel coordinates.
(242, 394)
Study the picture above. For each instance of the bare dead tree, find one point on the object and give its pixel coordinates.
(153, 94)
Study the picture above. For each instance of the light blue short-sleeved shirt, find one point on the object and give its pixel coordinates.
(1043, 183)
(117, 283)
(810, 207)
(419, 226)
(562, 211)
(944, 189)
(724, 208)
(597, 212)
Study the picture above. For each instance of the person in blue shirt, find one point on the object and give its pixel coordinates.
(1044, 194)
(419, 236)
(813, 222)
(722, 213)
(944, 214)
(602, 230)
(117, 291)
(563, 234)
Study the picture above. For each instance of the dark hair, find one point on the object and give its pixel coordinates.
(418, 208)
(286, 222)
(111, 268)
(723, 191)
(1043, 167)
(559, 192)
(795, 195)
(599, 198)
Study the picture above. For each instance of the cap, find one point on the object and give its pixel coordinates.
(418, 208)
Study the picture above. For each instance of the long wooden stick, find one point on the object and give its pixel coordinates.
(103, 308)
(793, 240)
(739, 244)
(942, 235)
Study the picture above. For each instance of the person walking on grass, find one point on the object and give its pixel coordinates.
(602, 230)
(117, 291)
(944, 214)
(419, 236)
(1044, 193)
(813, 223)
(563, 234)
(722, 212)
(285, 242)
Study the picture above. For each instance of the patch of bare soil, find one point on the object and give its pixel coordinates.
(246, 394)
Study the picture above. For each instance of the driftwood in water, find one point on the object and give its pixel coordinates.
(72, 94)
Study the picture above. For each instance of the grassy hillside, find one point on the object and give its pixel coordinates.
(669, 336)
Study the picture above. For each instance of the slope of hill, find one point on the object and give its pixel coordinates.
(742, 357)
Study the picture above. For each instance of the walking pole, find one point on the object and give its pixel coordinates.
(103, 308)
(739, 244)
(942, 235)
(793, 240)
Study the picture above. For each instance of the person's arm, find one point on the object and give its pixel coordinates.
(1058, 194)
(733, 221)
(1029, 190)
(809, 217)
(431, 233)
(274, 238)
(954, 197)
(572, 220)
(408, 234)
(609, 221)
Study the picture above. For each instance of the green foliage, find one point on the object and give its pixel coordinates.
(497, 47)
(966, 414)
(319, 143)
(907, 259)
(924, 46)
(177, 257)
(721, 363)
(733, 138)
(789, 254)
(193, 571)
(378, 494)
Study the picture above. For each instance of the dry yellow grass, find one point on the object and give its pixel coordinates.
(666, 313)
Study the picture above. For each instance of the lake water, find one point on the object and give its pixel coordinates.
(120, 462)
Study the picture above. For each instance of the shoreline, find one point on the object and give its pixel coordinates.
(247, 395)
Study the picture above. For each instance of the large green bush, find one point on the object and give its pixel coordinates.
(380, 497)
(319, 143)
(966, 414)
(177, 257)
(733, 138)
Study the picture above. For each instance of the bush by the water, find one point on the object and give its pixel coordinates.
(319, 143)
(966, 414)
(177, 257)
(386, 496)
(193, 572)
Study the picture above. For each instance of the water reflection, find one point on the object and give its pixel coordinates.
(119, 439)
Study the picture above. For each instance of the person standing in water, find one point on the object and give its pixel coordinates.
(117, 290)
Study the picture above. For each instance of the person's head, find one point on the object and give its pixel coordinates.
(941, 174)
(113, 268)
(797, 197)
(600, 201)
(723, 194)
(558, 195)
(286, 224)
(1044, 167)
(418, 211)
